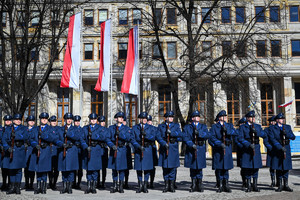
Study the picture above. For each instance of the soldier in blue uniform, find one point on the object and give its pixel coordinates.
(195, 136)
(269, 147)
(168, 135)
(239, 150)
(95, 137)
(143, 139)
(116, 139)
(13, 140)
(221, 137)
(249, 134)
(101, 121)
(154, 152)
(78, 173)
(5, 172)
(29, 175)
(53, 174)
(280, 136)
(68, 153)
(40, 160)
(129, 158)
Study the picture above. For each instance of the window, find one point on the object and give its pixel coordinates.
(206, 49)
(35, 54)
(99, 51)
(4, 19)
(155, 51)
(200, 105)
(275, 48)
(140, 50)
(131, 109)
(261, 49)
(97, 101)
(260, 14)
(226, 15)
(274, 14)
(103, 15)
(123, 17)
(20, 18)
(164, 100)
(297, 101)
(55, 18)
(240, 15)
(267, 109)
(35, 18)
(204, 11)
(294, 13)
(295, 47)
(136, 16)
(0, 52)
(122, 51)
(226, 48)
(171, 16)
(68, 14)
(30, 110)
(158, 15)
(233, 106)
(63, 104)
(194, 16)
(88, 17)
(54, 53)
(88, 51)
(172, 52)
(241, 49)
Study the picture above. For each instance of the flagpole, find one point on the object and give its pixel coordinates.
(81, 86)
(111, 72)
(138, 68)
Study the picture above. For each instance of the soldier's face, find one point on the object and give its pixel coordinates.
(93, 121)
(77, 123)
(149, 122)
(280, 121)
(120, 119)
(8, 122)
(196, 119)
(223, 119)
(124, 122)
(69, 121)
(251, 119)
(102, 123)
(144, 120)
(44, 121)
(31, 123)
(170, 119)
(17, 122)
(54, 123)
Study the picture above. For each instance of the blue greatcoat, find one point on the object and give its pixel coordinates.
(1, 145)
(79, 146)
(278, 161)
(172, 160)
(270, 151)
(29, 149)
(190, 161)
(221, 161)
(239, 148)
(120, 162)
(248, 160)
(70, 162)
(98, 136)
(19, 155)
(43, 163)
(55, 135)
(145, 162)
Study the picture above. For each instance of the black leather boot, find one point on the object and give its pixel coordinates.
(88, 189)
(55, 177)
(193, 186)
(226, 187)
(244, 185)
(26, 175)
(217, 183)
(280, 186)
(272, 181)
(44, 187)
(98, 186)
(12, 189)
(255, 188)
(38, 188)
(248, 185)
(140, 187)
(286, 185)
(94, 185)
(166, 189)
(121, 185)
(18, 188)
(200, 185)
(145, 189)
(64, 190)
(69, 187)
(4, 173)
(152, 176)
(220, 188)
(115, 187)
(31, 180)
(172, 186)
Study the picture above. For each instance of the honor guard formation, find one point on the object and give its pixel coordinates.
(45, 150)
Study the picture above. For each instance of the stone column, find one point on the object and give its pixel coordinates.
(290, 111)
(254, 97)
(146, 96)
(112, 102)
(76, 102)
(220, 98)
(183, 97)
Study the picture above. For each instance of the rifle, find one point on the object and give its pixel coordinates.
(168, 137)
(66, 140)
(117, 140)
(143, 139)
(12, 141)
(196, 133)
(283, 140)
(253, 137)
(39, 141)
(90, 141)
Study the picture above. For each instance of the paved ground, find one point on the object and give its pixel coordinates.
(183, 182)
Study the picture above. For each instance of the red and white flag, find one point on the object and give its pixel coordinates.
(286, 104)
(131, 74)
(70, 73)
(104, 70)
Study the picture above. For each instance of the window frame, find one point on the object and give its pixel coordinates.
(265, 55)
(234, 116)
(175, 19)
(229, 15)
(208, 17)
(164, 102)
(63, 103)
(5, 18)
(245, 49)
(170, 58)
(99, 16)
(99, 50)
(156, 57)
(161, 13)
(97, 103)
(54, 22)
(223, 53)
(18, 21)
(244, 15)
(210, 56)
(280, 54)
(122, 50)
(278, 18)
(298, 7)
(257, 15)
(141, 20)
(119, 17)
(84, 18)
(58, 54)
(86, 59)
(38, 56)
(292, 47)
(198, 101)
(297, 101)
(32, 17)
(267, 101)
(133, 101)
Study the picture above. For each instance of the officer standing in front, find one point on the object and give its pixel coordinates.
(168, 136)
(195, 136)
(280, 137)
(221, 137)
(78, 173)
(116, 139)
(101, 120)
(249, 134)
(154, 152)
(13, 140)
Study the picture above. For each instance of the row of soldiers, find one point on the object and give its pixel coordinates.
(48, 149)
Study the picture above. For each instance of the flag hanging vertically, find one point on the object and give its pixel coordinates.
(131, 74)
(104, 69)
(70, 73)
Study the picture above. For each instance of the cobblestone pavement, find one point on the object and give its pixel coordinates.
(183, 183)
